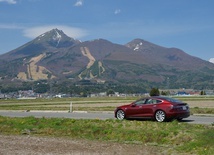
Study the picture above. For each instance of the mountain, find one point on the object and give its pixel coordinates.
(54, 55)
(22, 62)
(51, 41)
(156, 55)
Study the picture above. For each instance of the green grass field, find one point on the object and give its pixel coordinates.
(175, 137)
(201, 104)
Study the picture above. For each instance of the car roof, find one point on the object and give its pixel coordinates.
(166, 98)
(160, 97)
(157, 97)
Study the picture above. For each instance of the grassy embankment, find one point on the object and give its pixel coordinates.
(171, 137)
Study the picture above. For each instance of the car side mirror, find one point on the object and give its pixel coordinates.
(133, 105)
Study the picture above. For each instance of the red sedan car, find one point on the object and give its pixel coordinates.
(156, 107)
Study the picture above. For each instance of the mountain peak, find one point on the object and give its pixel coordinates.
(142, 45)
(56, 38)
(56, 32)
(53, 34)
(52, 40)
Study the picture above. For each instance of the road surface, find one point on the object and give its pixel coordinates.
(194, 119)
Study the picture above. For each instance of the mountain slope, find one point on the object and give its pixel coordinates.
(23, 62)
(154, 54)
(53, 55)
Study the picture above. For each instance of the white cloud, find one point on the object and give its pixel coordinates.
(9, 1)
(79, 3)
(117, 11)
(70, 31)
(211, 60)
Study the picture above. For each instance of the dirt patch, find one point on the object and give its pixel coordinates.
(34, 71)
(30, 145)
(85, 51)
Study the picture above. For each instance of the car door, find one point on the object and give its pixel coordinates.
(147, 108)
(135, 109)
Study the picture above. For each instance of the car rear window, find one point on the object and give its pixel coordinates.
(173, 100)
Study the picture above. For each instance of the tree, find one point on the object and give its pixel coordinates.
(154, 92)
(203, 93)
(41, 88)
(110, 92)
(165, 92)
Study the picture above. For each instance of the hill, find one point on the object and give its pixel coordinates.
(55, 56)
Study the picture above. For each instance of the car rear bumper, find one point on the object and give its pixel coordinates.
(178, 114)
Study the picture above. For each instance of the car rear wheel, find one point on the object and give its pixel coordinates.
(120, 114)
(160, 116)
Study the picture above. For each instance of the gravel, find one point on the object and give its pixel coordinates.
(32, 145)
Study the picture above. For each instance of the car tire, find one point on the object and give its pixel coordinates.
(120, 115)
(160, 116)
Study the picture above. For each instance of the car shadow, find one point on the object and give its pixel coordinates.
(152, 120)
(140, 119)
(186, 120)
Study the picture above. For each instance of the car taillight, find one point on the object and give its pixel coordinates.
(172, 106)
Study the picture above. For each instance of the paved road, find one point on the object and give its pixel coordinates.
(95, 115)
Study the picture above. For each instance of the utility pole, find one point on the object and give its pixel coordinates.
(71, 110)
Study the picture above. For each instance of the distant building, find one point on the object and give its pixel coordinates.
(182, 93)
(3, 96)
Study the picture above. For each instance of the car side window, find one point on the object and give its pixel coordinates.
(149, 101)
(140, 102)
(152, 101)
(158, 101)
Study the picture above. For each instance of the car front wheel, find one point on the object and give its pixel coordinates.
(160, 116)
(120, 115)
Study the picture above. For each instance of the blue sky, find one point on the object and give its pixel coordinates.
(184, 24)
